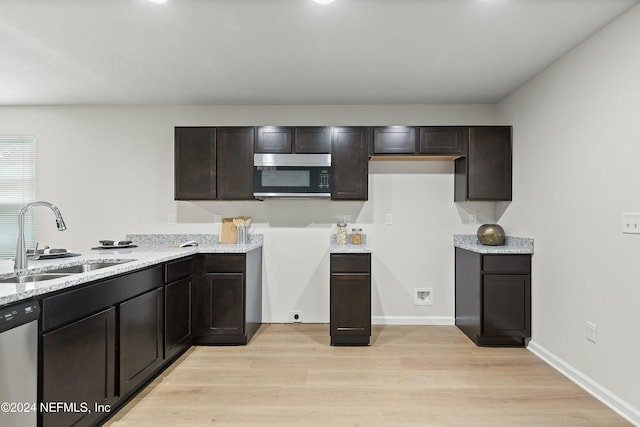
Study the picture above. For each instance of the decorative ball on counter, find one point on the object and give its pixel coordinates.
(491, 234)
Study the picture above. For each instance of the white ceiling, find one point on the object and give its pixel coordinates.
(199, 52)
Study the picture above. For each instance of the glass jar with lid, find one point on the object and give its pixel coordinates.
(356, 236)
(341, 236)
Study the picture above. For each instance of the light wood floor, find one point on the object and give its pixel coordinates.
(411, 376)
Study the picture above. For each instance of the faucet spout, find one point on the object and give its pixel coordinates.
(20, 264)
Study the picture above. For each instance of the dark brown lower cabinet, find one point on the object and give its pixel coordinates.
(227, 298)
(177, 305)
(79, 366)
(493, 297)
(100, 342)
(178, 297)
(141, 331)
(225, 304)
(350, 299)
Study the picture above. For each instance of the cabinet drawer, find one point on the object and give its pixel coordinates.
(351, 263)
(224, 263)
(176, 270)
(506, 263)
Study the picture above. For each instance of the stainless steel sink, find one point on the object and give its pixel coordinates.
(88, 266)
(33, 278)
(56, 273)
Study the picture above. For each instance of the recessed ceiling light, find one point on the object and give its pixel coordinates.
(158, 1)
(323, 1)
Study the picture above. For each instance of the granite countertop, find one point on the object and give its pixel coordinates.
(336, 248)
(151, 250)
(513, 245)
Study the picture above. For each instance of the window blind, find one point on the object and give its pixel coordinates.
(17, 188)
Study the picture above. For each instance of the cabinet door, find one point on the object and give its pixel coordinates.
(350, 304)
(441, 140)
(78, 365)
(140, 339)
(350, 163)
(235, 163)
(274, 139)
(394, 140)
(223, 311)
(195, 163)
(177, 306)
(506, 305)
(488, 164)
(312, 140)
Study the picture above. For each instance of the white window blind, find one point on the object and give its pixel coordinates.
(17, 188)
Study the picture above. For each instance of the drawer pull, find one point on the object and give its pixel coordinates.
(351, 329)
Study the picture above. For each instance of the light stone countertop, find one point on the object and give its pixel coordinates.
(145, 255)
(335, 248)
(513, 245)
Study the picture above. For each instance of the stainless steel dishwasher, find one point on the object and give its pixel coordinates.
(19, 364)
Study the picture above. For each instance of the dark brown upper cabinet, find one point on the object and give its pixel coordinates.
(484, 173)
(312, 140)
(350, 163)
(440, 140)
(280, 139)
(274, 139)
(235, 162)
(195, 163)
(394, 140)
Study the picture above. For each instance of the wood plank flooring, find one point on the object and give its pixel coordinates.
(289, 375)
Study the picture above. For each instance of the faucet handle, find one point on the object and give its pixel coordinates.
(36, 255)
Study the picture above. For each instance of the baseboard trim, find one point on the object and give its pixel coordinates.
(616, 404)
(412, 320)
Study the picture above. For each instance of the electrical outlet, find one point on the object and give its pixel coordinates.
(591, 332)
(217, 219)
(295, 317)
(423, 296)
(388, 219)
(171, 220)
(473, 218)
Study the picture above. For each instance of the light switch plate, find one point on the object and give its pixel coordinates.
(631, 223)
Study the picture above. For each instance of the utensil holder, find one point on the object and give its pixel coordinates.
(243, 235)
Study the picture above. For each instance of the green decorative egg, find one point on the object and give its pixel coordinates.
(491, 235)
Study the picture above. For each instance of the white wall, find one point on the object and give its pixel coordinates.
(576, 152)
(110, 170)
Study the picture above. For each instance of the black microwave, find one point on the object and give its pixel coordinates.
(291, 176)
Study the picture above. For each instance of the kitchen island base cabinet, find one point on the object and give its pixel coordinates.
(228, 298)
(100, 343)
(493, 297)
(350, 299)
(79, 366)
(141, 352)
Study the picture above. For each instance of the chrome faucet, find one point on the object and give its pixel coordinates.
(20, 264)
